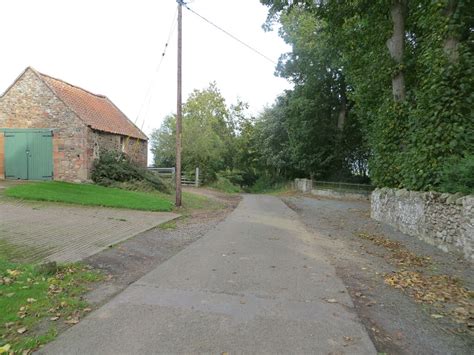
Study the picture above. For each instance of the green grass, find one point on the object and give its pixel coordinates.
(270, 188)
(198, 202)
(223, 184)
(171, 225)
(30, 301)
(90, 195)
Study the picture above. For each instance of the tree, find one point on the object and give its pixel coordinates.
(209, 130)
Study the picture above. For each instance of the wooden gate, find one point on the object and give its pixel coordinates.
(28, 154)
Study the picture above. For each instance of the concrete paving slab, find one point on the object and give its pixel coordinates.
(255, 284)
(58, 232)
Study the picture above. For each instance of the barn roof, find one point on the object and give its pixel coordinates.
(97, 111)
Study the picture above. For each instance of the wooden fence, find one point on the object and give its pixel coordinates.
(168, 174)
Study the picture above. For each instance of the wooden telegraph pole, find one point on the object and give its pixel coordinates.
(179, 112)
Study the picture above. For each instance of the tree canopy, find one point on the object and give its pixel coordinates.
(382, 90)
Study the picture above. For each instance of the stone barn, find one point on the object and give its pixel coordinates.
(52, 130)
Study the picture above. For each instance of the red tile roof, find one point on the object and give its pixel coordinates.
(97, 111)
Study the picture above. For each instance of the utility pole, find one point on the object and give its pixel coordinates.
(179, 111)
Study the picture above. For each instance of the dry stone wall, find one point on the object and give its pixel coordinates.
(444, 220)
(303, 185)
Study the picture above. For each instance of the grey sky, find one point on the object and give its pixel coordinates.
(113, 47)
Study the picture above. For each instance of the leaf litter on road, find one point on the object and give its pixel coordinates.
(445, 293)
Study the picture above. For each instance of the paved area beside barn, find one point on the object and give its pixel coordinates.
(257, 283)
(36, 231)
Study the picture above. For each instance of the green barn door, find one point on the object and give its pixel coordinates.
(16, 160)
(28, 154)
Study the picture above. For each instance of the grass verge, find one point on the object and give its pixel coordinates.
(91, 195)
(34, 302)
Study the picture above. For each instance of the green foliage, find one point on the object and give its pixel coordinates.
(267, 184)
(408, 141)
(113, 168)
(208, 139)
(458, 175)
(223, 184)
(90, 195)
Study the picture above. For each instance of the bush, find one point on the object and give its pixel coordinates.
(117, 170)
(225, 185)
(266, 184)
(458, 176)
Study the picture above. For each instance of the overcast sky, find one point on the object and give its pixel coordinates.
(113, 47)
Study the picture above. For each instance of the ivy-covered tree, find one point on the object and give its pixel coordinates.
(408, 68)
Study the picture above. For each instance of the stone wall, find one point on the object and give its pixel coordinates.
(341, 195)
(29, 103)
(444, 220)
(99, 141)
(303, 185)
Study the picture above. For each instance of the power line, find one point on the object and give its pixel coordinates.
(147, 100)
(230, 35)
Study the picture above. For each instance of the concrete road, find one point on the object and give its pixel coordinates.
(255, 284)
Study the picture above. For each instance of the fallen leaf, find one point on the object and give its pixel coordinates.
(54, 318)
(21, 330)
(13, 273)
(5, 348)
(72, 321)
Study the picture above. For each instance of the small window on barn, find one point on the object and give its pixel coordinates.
(122, 144)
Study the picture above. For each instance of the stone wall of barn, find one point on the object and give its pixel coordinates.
(99, 141)
(29, 103)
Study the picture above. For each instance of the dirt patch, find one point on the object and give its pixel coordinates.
(411, 296)
(128, 261)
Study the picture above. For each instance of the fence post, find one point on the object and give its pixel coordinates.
(196, 181)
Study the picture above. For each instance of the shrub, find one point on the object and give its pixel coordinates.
(224, 184)
(266, 184)
(458, 176)
(118, 170)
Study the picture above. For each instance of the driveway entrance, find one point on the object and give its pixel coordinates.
(37, 231)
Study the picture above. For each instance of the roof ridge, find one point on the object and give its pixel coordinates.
(72, 85)
(96, 111)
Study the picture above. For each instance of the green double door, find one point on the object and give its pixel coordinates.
(28, 154)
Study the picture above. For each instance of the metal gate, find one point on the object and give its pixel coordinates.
(28, 154)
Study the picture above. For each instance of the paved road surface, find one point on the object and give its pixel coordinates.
(38, 231)
(255, 284)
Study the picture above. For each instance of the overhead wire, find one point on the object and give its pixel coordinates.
(146, 102)
(230, 35)
(147, 99)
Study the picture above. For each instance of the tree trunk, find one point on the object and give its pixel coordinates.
(451, 43)
(341, 118)
(396, 45)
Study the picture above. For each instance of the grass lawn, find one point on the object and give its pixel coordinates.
(34, 303)
(91, 195)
